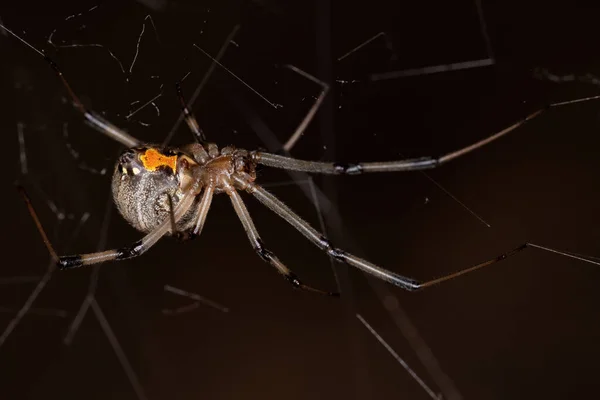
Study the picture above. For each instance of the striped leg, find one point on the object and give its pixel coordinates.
(316, 237)
(264, 253)
(411, 164)
(190, 120)
(134, 250)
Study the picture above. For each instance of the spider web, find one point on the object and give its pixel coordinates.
(501, 333)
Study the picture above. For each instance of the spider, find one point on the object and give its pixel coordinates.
(164, 191)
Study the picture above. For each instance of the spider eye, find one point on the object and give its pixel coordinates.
(128, 163)
(127, 157)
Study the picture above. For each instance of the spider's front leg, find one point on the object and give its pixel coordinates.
(123, 253)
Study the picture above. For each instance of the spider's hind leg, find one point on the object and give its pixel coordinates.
(317, 238)
(261, 250)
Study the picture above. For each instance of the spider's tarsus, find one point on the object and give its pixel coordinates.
(415, 285)
(293, 279)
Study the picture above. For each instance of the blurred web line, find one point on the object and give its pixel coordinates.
(181, 310)
(93, 283)
(19, 279)
(453, 197)
(193, 296)
(22, 154)
(50, 312)
(93, 45)
(484, 30)
(243, 82)
(40, 286)
(151, 101)
(155, 5)
(434, 69)
(139, 40)
(418, 344)
(84, 45)
(545, 74)
(403, 363)
(366, 42)
(112, 338)
(76, 156)
(205, 78)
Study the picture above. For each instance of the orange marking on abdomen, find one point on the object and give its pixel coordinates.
(153, 159)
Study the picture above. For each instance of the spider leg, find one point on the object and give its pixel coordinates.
(91, 118)
(203, 207)
(172, 215)
(190, 119)
(410, 164)
(316, 237)
(264, 253)
(123, 253)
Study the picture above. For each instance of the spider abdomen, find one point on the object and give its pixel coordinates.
(143, 180)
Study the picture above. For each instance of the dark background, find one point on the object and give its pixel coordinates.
(525, 328)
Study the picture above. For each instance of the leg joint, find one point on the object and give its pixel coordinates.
(262, 252)
(337, 254)
(347, 169)
(67, 262)
(131, 251)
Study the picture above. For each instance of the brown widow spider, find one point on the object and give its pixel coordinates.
(168, 191)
